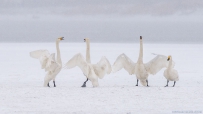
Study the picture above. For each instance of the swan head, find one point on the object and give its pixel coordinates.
(86, 39)
(60, 38)
(169, 57)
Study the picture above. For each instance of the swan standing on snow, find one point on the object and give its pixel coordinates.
(48, 62)
(140, 69)
(171, 74)
(91, 71)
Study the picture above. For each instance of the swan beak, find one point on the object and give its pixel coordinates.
(84, 40)
(140, 37)
(169, 57)
(61, 38)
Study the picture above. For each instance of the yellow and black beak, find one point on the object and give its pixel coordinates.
(61, 38)
(169, 57)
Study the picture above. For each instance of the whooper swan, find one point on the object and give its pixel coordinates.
(91, 71)
(171, 74)
(48, 62)
(140, 69)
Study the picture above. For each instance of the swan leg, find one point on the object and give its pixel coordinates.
(167, 84)
(84, 84)
(137, 83)
(174, 83)
(47, 79)
(48, 85)
(54, 84)
(147, 83)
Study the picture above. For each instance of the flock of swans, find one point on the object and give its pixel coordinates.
(94, 71)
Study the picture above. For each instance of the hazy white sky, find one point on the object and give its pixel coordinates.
(101, 20)
(96, 7)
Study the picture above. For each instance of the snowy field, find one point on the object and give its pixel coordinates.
(22, 91)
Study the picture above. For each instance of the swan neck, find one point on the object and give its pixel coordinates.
(140, 59)
(170, 63)
(58, 52)
(88, 52)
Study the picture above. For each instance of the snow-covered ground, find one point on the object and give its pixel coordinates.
(22, 91)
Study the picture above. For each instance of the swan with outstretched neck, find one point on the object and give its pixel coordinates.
(140, 69)
(48, 62)
(91, 71)
(170, 73)
(88, 60)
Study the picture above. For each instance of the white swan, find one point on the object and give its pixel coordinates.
(48, 62)
(91, 71)
(140, 69)
(171, 74)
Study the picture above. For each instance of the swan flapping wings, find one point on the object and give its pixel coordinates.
(156, 64)
(46, 59)
(125, 62)
(78, 60)
(152, 67)
(102, 67)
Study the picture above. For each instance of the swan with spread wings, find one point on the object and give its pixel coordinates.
(48, 62)
(140, 69)
(91, 71)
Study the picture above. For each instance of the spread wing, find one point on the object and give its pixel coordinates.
(39, 53)
(51, 64)
(78, 60)
(156, 64)
(47, 60)
(125, 62)
(102, 67)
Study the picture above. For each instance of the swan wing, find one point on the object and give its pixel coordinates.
(156, 64)
(39, 53)
(78, 60)
(102, 67)
(42, 55)
(51, 64)
(46, 60)
(125, 62)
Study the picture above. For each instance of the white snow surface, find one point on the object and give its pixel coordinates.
(22, 91)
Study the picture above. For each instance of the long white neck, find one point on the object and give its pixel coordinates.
(58, 52)
(88, 51)
(140, 59)
(170, 63)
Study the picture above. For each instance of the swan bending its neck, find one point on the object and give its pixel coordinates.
(87, 50)
(140, 59)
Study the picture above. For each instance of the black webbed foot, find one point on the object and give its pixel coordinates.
(84, 85)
